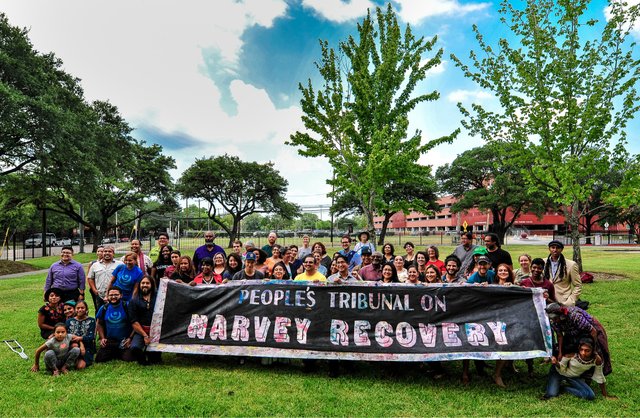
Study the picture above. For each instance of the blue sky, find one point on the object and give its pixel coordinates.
(202, 78)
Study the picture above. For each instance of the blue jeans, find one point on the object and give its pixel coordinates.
(575, 386)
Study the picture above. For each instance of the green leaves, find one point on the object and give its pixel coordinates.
(358, 120)
(565, 95)
(240, 188)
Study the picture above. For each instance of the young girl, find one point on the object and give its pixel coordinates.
(84, 326)
(69, 309)
(59, 356)
(571, 367)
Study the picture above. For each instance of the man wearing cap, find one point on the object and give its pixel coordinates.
(66, 275)
(365, 258)
(372, 272)
(209, 249)
(484, 274)
(563, 274)
(352, 256)
(496, 254)
(249, 271)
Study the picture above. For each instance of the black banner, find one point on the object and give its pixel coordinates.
(365, 321)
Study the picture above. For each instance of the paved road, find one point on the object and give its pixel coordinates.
(26, 273)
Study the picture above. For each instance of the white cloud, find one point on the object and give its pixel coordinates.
(338, 10)
(438, 69)
(635, 30)
(414, 11)
(146, 57)
(468, 95)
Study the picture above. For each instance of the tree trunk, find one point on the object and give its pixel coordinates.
(368, 214)
(234, 231)
(498, 226)
(588, 224)
(574, 223)
(97, 237)
(383, 231)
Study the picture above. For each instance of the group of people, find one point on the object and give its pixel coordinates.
(124, 293)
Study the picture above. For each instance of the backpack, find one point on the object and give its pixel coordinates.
(586, 277)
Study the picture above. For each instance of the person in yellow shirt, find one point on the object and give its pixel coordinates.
(311, 272)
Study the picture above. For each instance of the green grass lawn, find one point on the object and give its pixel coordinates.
(197, 386)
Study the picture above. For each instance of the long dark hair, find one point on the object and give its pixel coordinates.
(394, 272)
(562, 266)
(286, 273)
(167, 260)
(238, 259)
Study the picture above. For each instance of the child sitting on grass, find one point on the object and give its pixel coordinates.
(571, 367)
(59, 356)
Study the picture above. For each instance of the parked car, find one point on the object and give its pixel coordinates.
(35, 240)
(108, 240)
(63, 242)
(76, 241)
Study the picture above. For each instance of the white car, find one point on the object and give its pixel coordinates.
(62, 242)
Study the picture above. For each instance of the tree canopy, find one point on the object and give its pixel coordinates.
(564, 95)
(39, 102)
(358, 120)
(105, 173)
(490, 178)
(240, 188)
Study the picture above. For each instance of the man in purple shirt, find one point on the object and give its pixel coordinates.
(209, 249)
(66, 275)
(373, 272)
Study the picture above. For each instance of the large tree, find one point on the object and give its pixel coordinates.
(358, 120)
(240, 188)
(565, 89)
(625, 198)
(107, 171)
(412, 192)
(490, 178)
(38, 102)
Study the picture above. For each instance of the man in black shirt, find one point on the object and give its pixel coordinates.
(496, 254)
(140, 314)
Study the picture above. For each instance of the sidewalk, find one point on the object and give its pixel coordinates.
(25, 273)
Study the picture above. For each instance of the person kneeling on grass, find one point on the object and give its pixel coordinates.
(59, 356)
(571, 367)
(114, 328)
